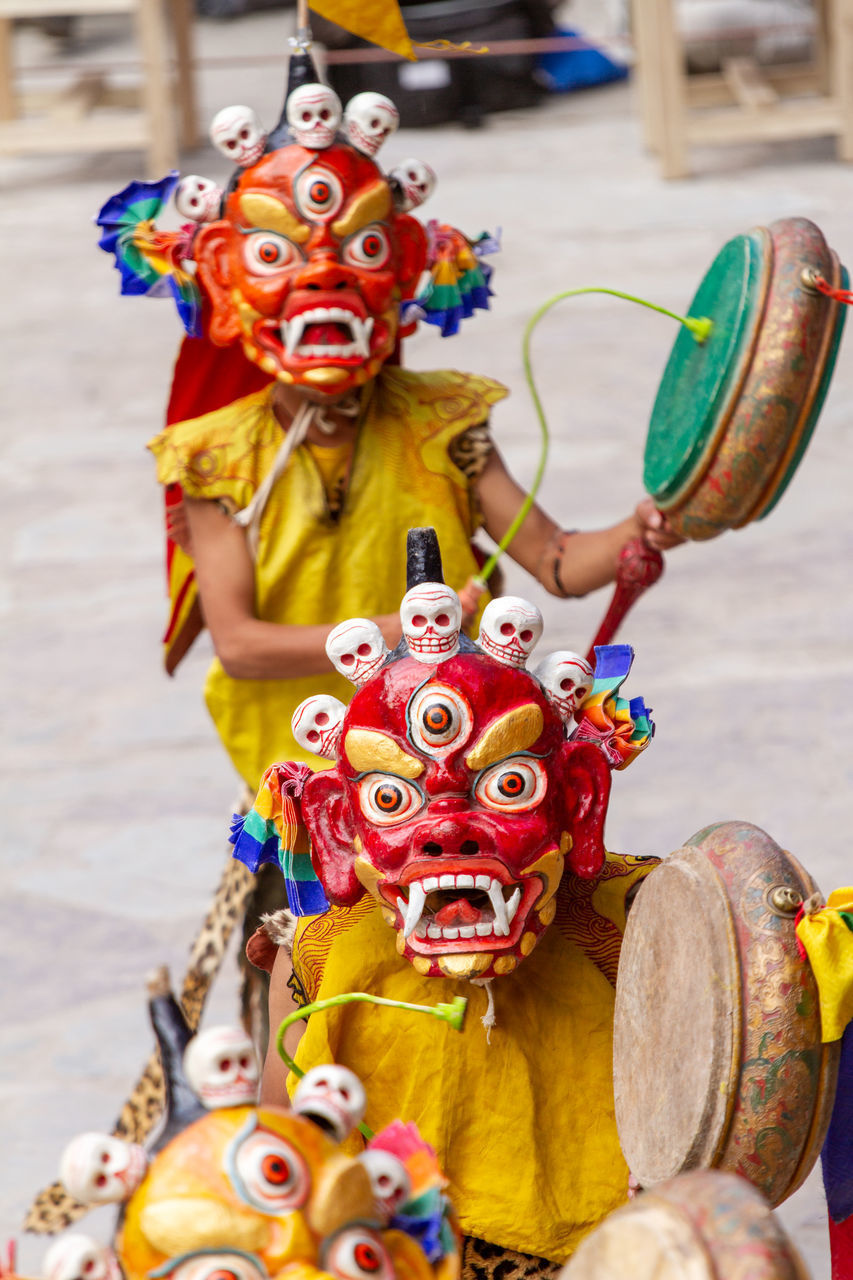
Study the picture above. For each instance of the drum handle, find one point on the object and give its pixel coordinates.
(639, 566)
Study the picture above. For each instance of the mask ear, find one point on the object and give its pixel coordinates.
(412, 247)
(587, 792)
(210, 252)
(328, 816)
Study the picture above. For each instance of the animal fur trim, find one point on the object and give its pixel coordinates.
(277, 930)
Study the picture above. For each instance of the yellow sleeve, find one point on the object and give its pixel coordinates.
(222, 455)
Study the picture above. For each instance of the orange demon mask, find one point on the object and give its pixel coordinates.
(463, 785)
(245, 1192)
(309, 265)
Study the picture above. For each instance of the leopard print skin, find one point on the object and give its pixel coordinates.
(54, 1209)
(484, 1261)
(471, 450)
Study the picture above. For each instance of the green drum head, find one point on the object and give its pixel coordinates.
(699, 379)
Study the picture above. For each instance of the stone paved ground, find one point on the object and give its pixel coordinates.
(116, 793)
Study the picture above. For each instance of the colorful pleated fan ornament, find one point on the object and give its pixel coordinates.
(267, 834)
(150, 261)
(458, 279)
(621, 727)
(425, 1216)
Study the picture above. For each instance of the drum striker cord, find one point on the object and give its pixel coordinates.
(453, 1013)
(700, 327)
(824, 287)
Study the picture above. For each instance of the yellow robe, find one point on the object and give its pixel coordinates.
(310, 568)
(523, 1126)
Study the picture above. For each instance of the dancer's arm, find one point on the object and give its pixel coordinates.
(564, 564)
(274, 1079)
(248, 648)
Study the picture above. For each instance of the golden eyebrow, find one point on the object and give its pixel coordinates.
(513, 731)
(372, 205)
(270, 214)
(367, 751)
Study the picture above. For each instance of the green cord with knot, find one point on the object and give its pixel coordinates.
(699, 327)
(453, 1014)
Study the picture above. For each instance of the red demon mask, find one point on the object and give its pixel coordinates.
(309, 266)
(456, 802)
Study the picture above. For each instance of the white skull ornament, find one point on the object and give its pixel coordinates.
(317, 724)
(333, 1097)
(238, 134)
(415, 181)
(567, 680)
(389, 1180)
(97, 1168)
(369, 120)
(314, 113)
(79, 1257)
(198, 198)
(509, 630)
(356, 649)
(431, 616)
(222, 1067)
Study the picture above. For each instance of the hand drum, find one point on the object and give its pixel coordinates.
(718, 1060)
(733, 416)
(700, 1226)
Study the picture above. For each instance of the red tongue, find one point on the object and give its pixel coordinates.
(456, 913)
(326, 335)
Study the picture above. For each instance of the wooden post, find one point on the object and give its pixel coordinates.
(185, 96)
(643, 29)
(8, 105)
(156, 90)
(671, 76)
(841, 53)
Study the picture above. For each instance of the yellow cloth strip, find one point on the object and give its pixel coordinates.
(828, 941)
(379, 21)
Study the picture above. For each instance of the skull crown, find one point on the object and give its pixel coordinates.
(314, 114)
(567, 679)
(333, 1097)
(369, 120)
(414, 182)
(198, 199)
(431, 617)
(389, 1181)
(509, 630)
(222, 1068)
(97, 1168)
(356, 649)
(317, 724)
(80, 1257)
(238, 134)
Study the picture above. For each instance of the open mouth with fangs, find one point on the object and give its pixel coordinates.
(457, 904)
(327, 333)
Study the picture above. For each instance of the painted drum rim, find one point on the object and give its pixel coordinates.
(773, 391)
(776, 388)
(699, 1225)
(815, 400)
(784, 1075)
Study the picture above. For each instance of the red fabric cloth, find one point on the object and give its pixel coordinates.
(207, 377)
(841, 1248)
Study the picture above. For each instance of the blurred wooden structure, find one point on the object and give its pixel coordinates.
(743, 102)
(92, 115)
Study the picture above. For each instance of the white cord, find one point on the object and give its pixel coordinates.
(306, 415)
(489, 1018)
